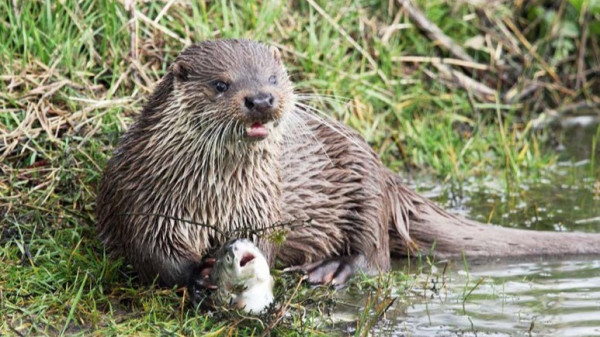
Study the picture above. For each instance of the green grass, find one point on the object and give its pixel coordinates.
(69, 87)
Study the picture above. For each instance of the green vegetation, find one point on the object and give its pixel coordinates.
(75, 73)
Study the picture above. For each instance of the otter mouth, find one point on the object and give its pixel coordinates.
(257, 131)
(247, 258)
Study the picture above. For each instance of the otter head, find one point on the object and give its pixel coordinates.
(234, 89)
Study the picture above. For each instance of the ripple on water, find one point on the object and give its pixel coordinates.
(546, 298)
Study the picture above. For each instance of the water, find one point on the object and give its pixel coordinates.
(539, 297)
(531, 298)
(567, 199)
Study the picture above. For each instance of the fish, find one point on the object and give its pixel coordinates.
(242, 277)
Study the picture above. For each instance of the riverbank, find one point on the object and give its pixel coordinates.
(74, 74)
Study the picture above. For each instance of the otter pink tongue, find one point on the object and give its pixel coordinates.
(257, 130)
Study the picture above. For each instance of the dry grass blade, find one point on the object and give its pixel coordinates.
(581, 55)
(164, 10)
(165, 30)
(49, 89)
(441, 60)
(531, 49)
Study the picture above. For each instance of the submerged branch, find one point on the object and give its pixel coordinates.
(433, 31)
(479, 89)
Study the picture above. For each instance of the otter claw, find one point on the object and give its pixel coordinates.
(200, 287)
(206, 267)
(335, 272)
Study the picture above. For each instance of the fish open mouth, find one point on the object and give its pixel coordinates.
(246, 259)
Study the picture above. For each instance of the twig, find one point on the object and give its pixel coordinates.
(588, 72)
(47, 90)
(578, 106)
(502, 34)
(550, 115)
(96, 105)
(433, 31)
(133, 40)
(479, 89)
(516, 93)
(143, 75)
(15, 330)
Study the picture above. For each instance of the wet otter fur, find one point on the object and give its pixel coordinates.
(223, 142)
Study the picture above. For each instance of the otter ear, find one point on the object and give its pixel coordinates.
(276, 54)
(181, 70)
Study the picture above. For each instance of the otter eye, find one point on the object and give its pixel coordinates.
(273, 79)
(221, 86)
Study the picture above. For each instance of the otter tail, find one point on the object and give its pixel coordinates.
(420, 226)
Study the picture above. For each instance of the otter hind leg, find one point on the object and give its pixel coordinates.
(335, 271)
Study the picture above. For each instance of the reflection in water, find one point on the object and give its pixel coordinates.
(567, 199)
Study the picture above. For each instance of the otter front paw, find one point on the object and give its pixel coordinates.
(201, 286)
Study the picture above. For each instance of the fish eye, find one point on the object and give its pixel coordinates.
(273, 79)
(221, 86)
(228, 258)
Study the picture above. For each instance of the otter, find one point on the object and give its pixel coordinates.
(223, 142)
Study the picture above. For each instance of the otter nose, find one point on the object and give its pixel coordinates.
(260, 103)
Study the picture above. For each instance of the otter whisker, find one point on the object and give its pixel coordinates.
(322, 97)
(228, 133)
(297, 131)
(329, 122)
(325, 101)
